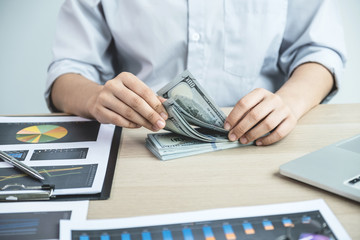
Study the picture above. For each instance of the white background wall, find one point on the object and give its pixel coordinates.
(27, 30)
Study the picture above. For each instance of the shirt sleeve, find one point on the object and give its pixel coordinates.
(82, 44)
(314, 33)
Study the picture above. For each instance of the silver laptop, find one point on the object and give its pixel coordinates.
(335, 168)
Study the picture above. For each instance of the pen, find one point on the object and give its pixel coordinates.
(21, 166)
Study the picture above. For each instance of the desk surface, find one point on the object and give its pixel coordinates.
(246, 176)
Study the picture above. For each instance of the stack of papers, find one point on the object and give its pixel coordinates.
(71, 153)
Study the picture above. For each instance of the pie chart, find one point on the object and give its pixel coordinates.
(41, 133)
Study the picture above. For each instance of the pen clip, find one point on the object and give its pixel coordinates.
(20, 192)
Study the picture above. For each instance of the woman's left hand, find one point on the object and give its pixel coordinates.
(258, 113)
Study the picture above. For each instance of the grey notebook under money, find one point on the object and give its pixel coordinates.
(335, 168)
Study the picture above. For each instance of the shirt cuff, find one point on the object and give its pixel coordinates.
(58, 68)
(327, 58)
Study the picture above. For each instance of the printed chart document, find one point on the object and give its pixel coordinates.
(300, 220)
(38, 220)
(69, 152)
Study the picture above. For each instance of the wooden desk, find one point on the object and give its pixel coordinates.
(246, 176)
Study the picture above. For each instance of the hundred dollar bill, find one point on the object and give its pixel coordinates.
(188, 105)
(195, 105)
(178, 124)
(168, 146)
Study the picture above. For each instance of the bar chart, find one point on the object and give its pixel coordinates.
(305, 225)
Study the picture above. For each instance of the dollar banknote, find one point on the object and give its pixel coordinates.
(178, 124)
(168, 145)
(194, 103)
(195, 121)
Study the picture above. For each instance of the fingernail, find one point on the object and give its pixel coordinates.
(155, 128)
(227, 126)
(164, 115)
(243, 140)
(232, 137)
(258, 143)
(162, 99)
(160, 124)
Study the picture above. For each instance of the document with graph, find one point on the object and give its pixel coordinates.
(71, 153)
(299, 220)
(38, 220)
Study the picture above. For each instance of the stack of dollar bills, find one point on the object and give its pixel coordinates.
(195, 122)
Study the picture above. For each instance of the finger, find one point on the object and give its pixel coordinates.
(243, 106)
(282, 130)
(135, 102)
(253, 117)
(162, 100)
(268, 124)
(142, 90)
(122, 109)
(142, 108)
(105, 115)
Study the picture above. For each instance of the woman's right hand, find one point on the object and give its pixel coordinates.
(126, 101)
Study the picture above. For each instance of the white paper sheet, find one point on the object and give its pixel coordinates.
(98, 151)
(27, 220)
(105, 225)
(78, 209)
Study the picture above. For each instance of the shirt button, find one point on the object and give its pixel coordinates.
(195, 37)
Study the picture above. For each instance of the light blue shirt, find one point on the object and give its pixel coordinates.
(230, 46)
